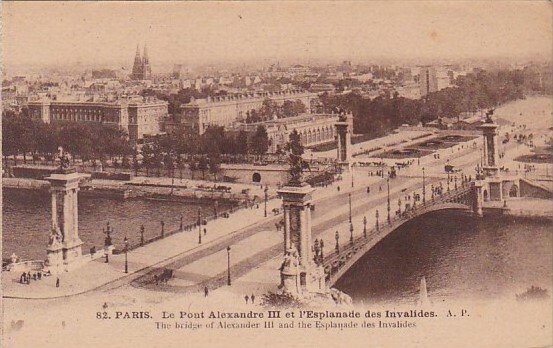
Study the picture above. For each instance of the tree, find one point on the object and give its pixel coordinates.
(203, 165)
(260, 141)
(295, 152)
(214, 165)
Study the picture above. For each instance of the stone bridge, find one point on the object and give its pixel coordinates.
(338, 262)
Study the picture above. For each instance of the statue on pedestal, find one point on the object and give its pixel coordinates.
(55, 238)
(289, 271)
(489, 114)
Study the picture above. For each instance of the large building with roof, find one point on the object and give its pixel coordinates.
(226, 111)
(314, 129)
(137, 118)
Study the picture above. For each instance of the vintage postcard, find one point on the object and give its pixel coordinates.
(277, 174)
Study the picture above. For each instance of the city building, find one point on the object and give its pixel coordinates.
(141, 69)
(137, 118)
(428, 80)
(314, 129)
(227, 110)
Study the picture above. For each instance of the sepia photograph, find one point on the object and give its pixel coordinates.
(277, 174)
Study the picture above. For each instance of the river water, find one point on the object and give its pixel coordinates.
(27, 219)
(460, 257)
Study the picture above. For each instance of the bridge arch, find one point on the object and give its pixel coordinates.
(338, 264)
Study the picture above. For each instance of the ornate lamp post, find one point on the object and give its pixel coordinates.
(337, 236)
(365, 226)
(423, 187)
(142, 235)
(228, 265)
(126, 241)
(316, 249)
(266, 197)
(351, 234)
(349, 199)
(389, 218)
(377, 226)
(199, 225)
(399, 205)
(107, 242)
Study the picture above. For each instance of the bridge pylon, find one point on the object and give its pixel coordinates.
(299, 273)
(344, 128)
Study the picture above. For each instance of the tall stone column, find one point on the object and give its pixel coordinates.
(64, 249)
(489, 130)
(298, 266)
(343, 138)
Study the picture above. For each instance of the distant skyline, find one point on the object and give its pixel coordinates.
(193, 33)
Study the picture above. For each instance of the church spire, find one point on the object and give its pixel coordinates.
(137, 69)
(145, 58)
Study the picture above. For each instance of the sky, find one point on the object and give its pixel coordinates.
(37, 33)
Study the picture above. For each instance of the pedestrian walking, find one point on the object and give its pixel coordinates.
(205, 231)
(252, 298)
(206, 291)
(57, 282)
(22, 278)
(39, 275)
(246, 298)
(34, 276)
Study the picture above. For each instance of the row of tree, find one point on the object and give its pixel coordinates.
(478, 90)
(271, 110)
(22, 135)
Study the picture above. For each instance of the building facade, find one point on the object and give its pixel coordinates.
(226, 111)
(136, 118)
(314, 129)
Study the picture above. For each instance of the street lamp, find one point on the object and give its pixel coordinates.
(351, 234)
(199, 225)
(321, 245)
(423, 187)
(365, 226)
(228, 265)
(142, 235)
(180, 223)
(126, 241)
(349, 198)
(266, 197)
(399, 205)
(351, 175)
(447, 181)
(337, 236)
(377, 227)
(389, 218)
(162, 229)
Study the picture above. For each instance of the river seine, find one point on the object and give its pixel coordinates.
(460, 257)
(27, 219)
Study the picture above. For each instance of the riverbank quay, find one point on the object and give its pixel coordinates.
(196, 191)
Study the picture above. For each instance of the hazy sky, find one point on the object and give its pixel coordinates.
(196, 32)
